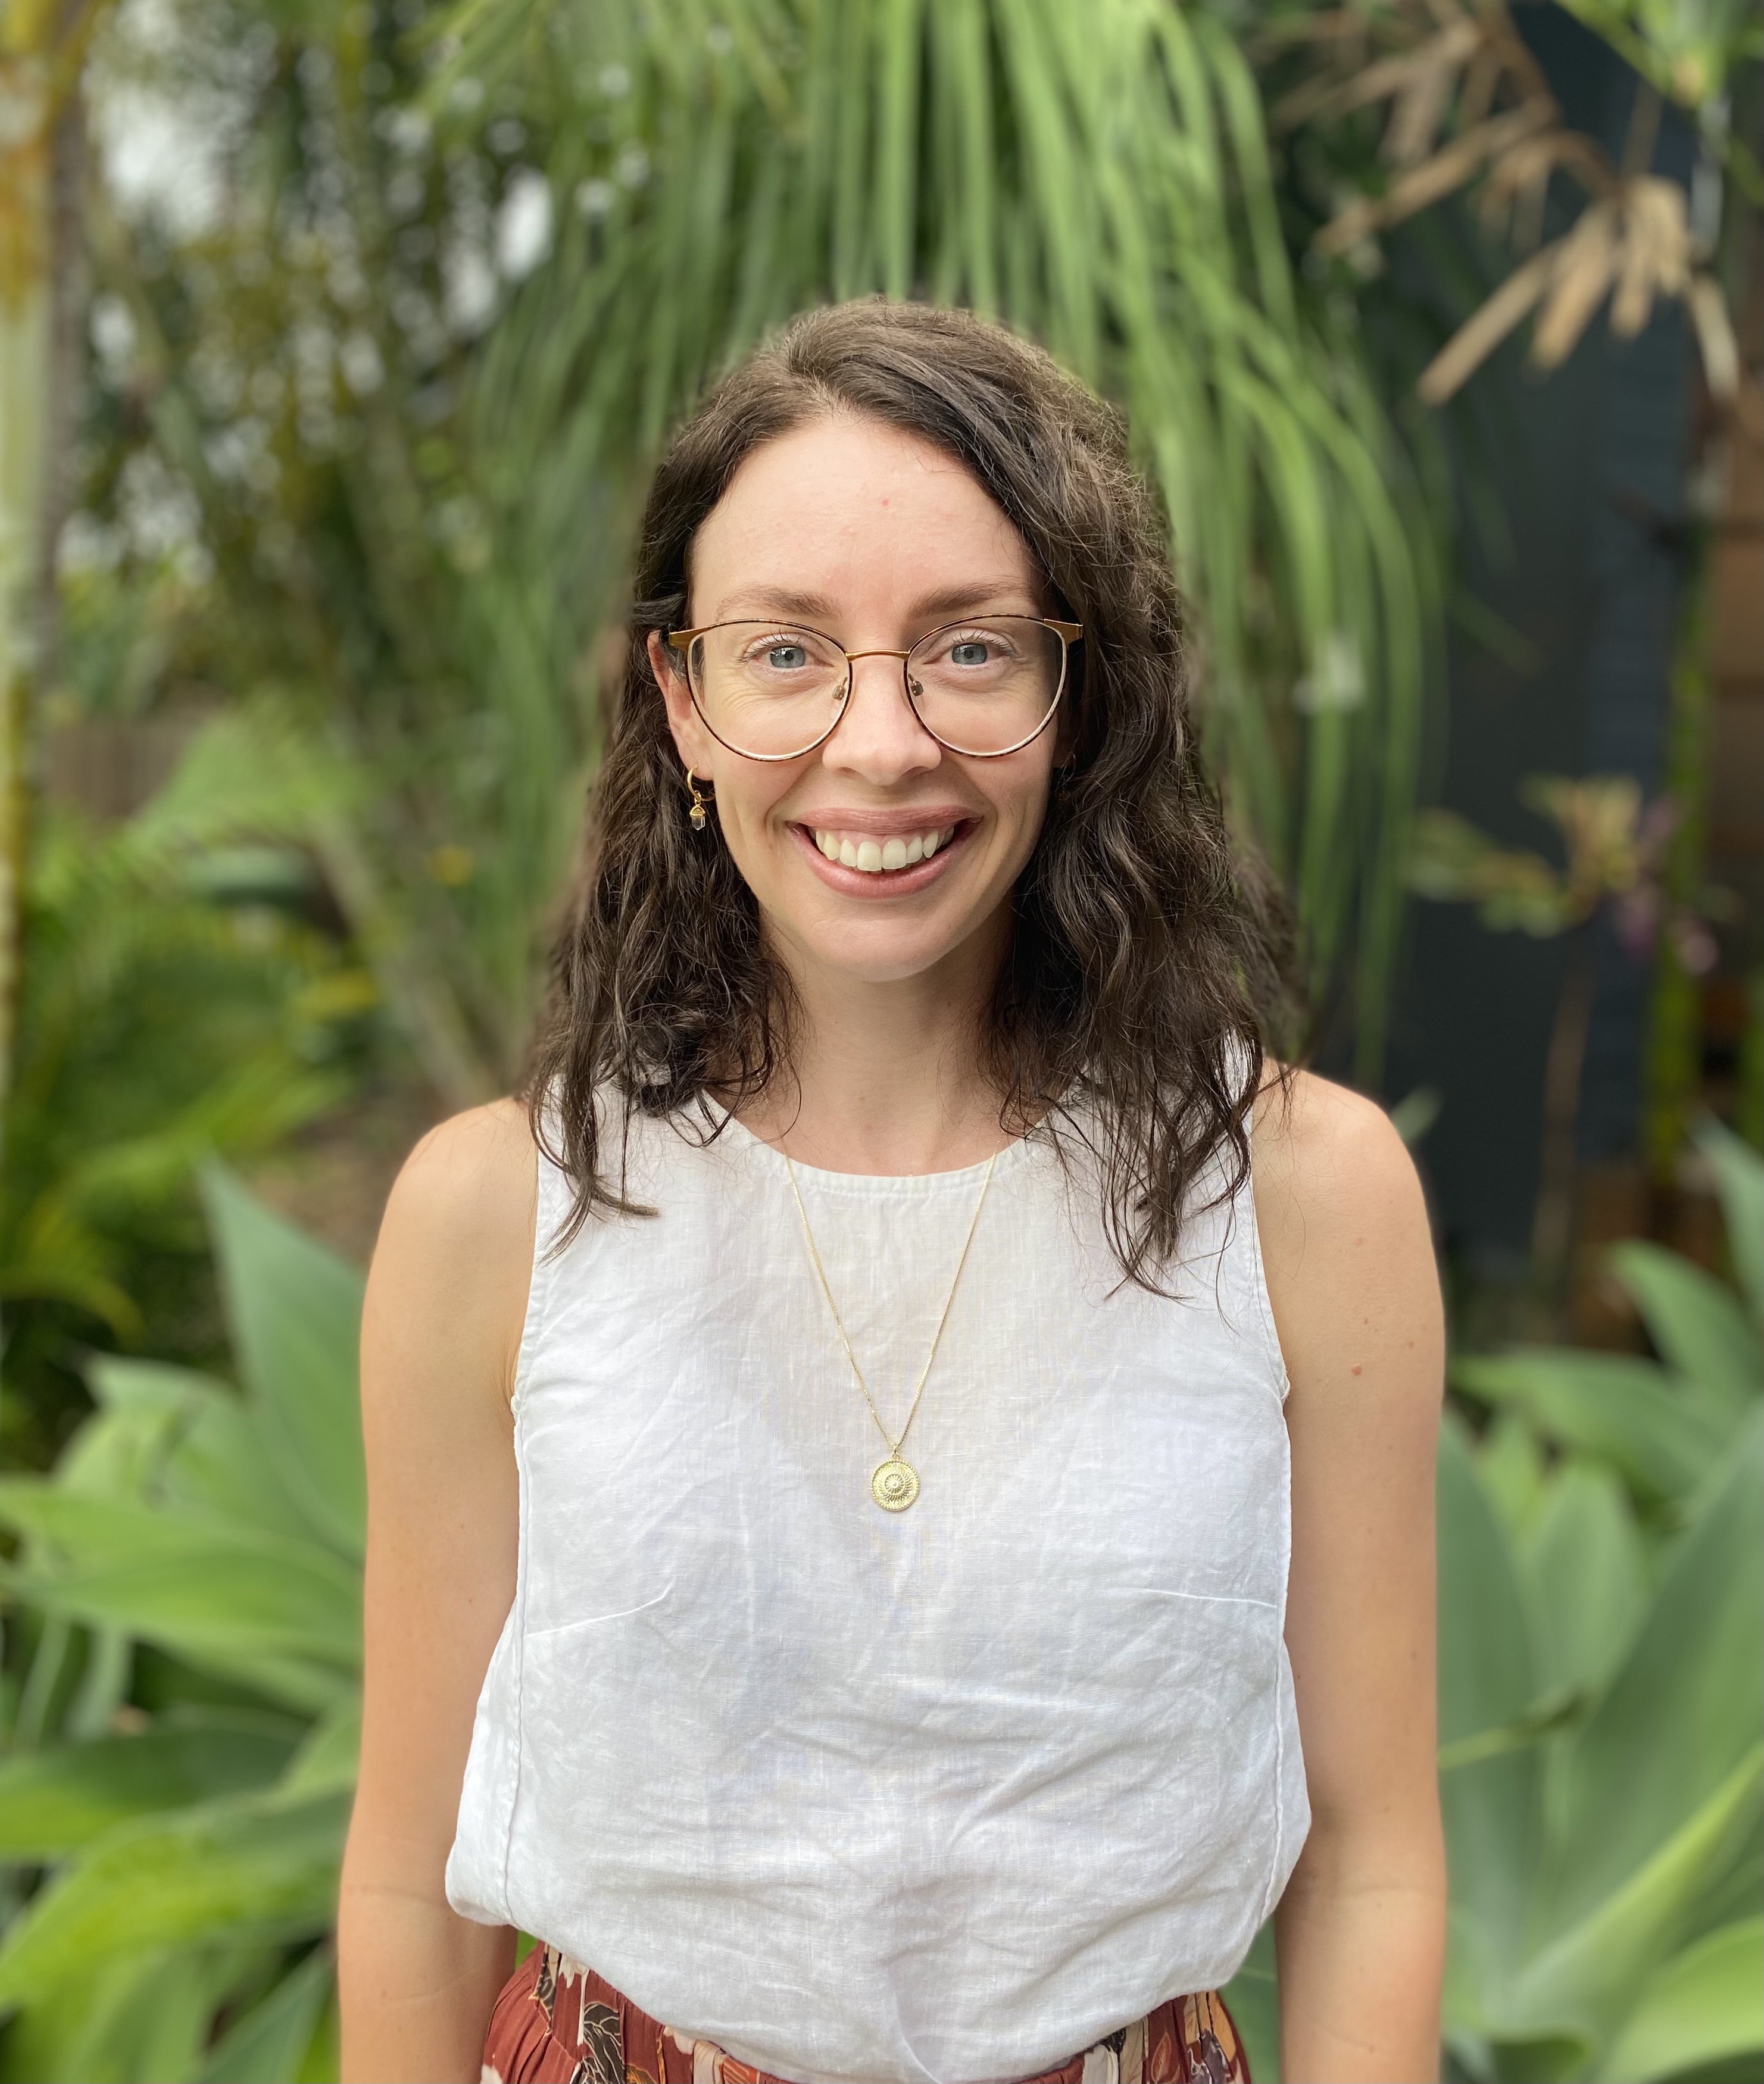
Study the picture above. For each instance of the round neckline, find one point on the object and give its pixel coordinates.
(819, 1175)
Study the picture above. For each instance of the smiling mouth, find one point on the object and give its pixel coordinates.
(871, 855)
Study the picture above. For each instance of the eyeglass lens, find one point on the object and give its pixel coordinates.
(771, 690)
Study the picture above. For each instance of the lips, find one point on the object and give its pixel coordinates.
(877, 853)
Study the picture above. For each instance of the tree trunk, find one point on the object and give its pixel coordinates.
(25, 331)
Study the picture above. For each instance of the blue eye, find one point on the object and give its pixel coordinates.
(970, 653)
(787, 658)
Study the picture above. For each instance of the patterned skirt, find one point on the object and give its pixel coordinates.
(557, 2022)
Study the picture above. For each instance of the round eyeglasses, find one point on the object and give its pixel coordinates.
(775, 691)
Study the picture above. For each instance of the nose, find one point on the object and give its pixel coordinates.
(880, 739)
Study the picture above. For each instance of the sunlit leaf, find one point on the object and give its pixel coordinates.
(1589, 1574)
(255, 1868)
(295, 1313)
(52, 1802)
(1696, 1324)
(1739, 1177)
(1683, 1713)
(1487, 1680)
(281, 1614)
(266, 2046)
(1617, 1408)
(1705, 2005)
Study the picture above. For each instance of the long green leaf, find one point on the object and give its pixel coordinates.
(267, 2045)
(1624, 1411)
(1488, 1680)
(1684, 1710)
(294, 1310)
(1696, 1325)
(280, 1614)
(1589, 1577)
(1704, 2005)
(1580, 1979)
(53, 1802)
(140, 2018)
(1739, 1177)
(212, 1455)
(254, 1868)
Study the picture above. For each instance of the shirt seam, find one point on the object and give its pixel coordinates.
(538, 1308)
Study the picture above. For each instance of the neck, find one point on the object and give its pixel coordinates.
(885, 1078)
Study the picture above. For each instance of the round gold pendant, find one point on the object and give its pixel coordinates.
(895, 1485)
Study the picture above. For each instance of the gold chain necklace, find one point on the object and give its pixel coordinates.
(895, 1483)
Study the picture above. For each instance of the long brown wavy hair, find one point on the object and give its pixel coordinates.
(1148, 966)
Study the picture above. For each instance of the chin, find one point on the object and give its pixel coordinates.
(878, 958)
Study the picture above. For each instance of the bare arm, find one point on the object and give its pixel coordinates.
(1360, 1932)
(440, 1332)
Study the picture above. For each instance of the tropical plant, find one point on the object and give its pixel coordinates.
(187, 1597)
(1602, 1768)
(1470, 107)
(1618, 860)
(177, 1001)
(1664, 1426)
(1602, 1684)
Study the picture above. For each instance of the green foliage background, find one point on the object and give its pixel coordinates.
(372, 390)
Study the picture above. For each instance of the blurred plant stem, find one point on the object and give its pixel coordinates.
(1673, 1060)
(42, 45)
(25, 119)
(1619, 861)
(1552, 1230)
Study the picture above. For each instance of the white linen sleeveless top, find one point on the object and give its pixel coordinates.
(943, 1795)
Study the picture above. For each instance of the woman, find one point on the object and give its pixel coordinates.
(850, 1466)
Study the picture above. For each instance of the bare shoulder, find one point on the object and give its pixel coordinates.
(470, 1184)
(448, 1290)
(1322, 1151)
(1345, 1236)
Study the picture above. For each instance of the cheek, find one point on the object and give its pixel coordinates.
(748, 801)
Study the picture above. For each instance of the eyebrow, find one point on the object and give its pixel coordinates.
(816, 609)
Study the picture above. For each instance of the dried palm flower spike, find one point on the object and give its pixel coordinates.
(1469, 105)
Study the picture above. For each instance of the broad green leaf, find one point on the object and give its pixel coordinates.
(330, 1757)
(1706, 2004)
(1683, 1710)
(1696, 1325)
(1510, 1461)
(1487, 1680)
(253, 1868)
(1588, 1574)
(1581, 1978)
(267, 2045)
(280, 1614)
(294, 1310)
(134, 2019)
(1623, 1411)
(52, 1802)
(212, 1452)
(1739, 1177)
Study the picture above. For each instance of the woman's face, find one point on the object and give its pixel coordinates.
(874, 538)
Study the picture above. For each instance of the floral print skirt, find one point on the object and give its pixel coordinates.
(558, 2022)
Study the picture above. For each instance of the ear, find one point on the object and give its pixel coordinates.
(695, 745)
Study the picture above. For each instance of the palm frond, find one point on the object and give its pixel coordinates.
(1097, 178)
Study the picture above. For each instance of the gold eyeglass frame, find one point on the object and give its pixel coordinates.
(1068, 632)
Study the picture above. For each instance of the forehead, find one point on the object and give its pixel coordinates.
(850, 507)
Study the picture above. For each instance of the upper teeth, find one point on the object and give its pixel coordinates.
(873, 855)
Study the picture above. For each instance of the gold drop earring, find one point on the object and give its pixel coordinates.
(696, 815)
